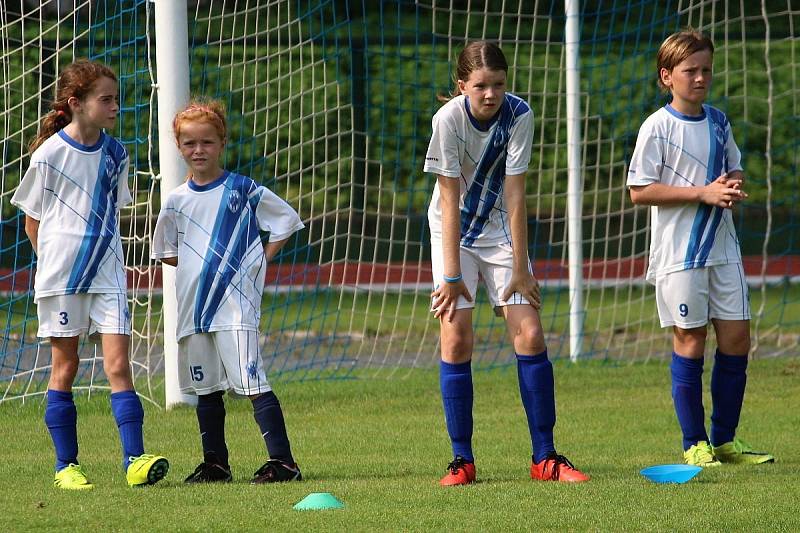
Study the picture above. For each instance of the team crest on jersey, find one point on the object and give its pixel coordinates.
(234, 201)
(252, 370)
(111, 167)
(719, 134)
(500, 136)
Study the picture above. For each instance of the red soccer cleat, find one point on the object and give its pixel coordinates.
(556, 467)
(459, 472)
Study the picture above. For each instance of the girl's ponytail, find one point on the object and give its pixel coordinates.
(52, 122)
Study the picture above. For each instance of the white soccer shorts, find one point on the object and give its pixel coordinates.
(690, 298)
(70, 315)
(494, 264)
(221, 360)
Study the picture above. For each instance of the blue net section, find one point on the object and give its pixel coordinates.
(41, 41)
(329, 104)
(390, 60)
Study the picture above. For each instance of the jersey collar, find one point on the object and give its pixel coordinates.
(689, 118)
(208, 186)
(82, 147)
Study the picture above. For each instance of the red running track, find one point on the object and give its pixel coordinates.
(364, 274)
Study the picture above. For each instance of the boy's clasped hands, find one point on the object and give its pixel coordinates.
(725, 191)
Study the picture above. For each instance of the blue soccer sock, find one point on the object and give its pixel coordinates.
(210, 412)
(687, 395)
(269, 416)
(728, 381)
(537, 390)
(129, 414)
(455, 381)
(61, 419)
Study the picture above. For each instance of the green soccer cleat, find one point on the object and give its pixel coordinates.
(701, 454)
(146, 470)
(739, 452)
(71, 477)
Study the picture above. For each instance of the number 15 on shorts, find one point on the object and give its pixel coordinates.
(197, 373)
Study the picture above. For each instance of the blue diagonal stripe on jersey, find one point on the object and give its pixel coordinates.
(214, 279)
(719, 157)
(713, 168)
(98, 235)
(494, 156)
(708, 243)
(493, 192)
(473, 196)
(224, 224)
(718, 162)
(109, 228)
(246, 236)
(698, 226)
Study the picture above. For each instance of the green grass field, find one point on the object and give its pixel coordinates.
(381, 446)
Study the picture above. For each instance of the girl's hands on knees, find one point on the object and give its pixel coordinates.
(527, 286)
(445, 298)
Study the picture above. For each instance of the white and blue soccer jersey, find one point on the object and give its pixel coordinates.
(76, 192)
(686, 151)
(213, 230)
(480, 158)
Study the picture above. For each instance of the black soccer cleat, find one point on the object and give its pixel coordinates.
(208, 472)
(274, 471)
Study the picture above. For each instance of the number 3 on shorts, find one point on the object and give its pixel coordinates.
(197, 373)
(683, 309)
(64, 318)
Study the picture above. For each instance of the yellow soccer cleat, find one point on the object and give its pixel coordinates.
(701, 454)
(738, 451)
(71, 477)
(146, 470)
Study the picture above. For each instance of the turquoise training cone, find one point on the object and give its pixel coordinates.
(680, 473)
(319, 501)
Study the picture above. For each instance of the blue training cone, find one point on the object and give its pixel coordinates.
(680, 473)
(318, 501)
